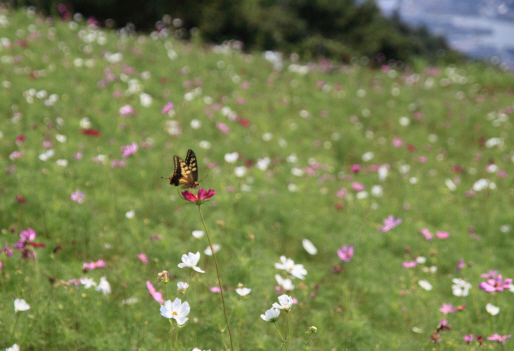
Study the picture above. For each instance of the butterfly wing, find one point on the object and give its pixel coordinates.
(192, 164)
(185, 172)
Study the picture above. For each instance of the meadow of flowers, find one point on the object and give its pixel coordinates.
(347, 208)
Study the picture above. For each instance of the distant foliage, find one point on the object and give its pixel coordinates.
(334, 29)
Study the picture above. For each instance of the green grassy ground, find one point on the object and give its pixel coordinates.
(446, 119)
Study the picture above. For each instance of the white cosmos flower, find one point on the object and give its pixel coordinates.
(460, 287)
(182, 287)
(195, 124)
(130, 300)
(292, 158)
(208, 250)
(20, 305)
(87, 282)
(46, 155)
(130, 214)
(286, 284)
(145, 99)
(309, 247)
(240, 171)
(263, 163)
(198, 233)
(425, 285)
(190, 260)
(271, 315)
(231, 158)
(450, 184)
(287, 264)
(382, 173)
(492, 309)
(285, 303)
(104, 286)
(62, 163)
(85, 123)
(243, 291)
(176, 310)
(15, 347)
(368, 156)
(377, 191)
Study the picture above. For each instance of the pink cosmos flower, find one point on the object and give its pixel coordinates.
(128, 150)
(460, 265)
(7, 250)
(93, 265)
(389, 223)
(118, 163)
(442, 235)
(423, 159)
(127, 110)
(345, 253)
(490, 275)
(14, 155)
(355, 168)
(443, 325)
(223, 127)
(215, 289)
(495, 284)
(397, 142)
(502, 174)
(341, 193)
(47, 144)
(169, 106)
(410, 264)
(426, 233)
(78, 196)
(447, 308)
(468, 338)
(200, 197)
(143, 258)
(358, 186)
(500, 338)
(156, 295)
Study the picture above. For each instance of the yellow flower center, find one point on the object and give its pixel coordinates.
(175, 313)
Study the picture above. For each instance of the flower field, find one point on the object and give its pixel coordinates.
(348, 208)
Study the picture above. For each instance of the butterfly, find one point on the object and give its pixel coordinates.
(185, 172)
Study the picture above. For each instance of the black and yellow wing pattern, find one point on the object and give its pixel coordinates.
(185, 172)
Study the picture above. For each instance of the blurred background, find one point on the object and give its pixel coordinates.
(381, 30)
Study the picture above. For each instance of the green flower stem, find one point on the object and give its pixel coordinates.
(219, 279)
(284, 342)
(14, 326)
(287, 327)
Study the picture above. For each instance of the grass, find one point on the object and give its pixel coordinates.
(329, 119)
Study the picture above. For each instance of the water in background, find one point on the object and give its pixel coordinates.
(478, 28)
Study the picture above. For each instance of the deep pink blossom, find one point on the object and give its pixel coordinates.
(200, 197)
(345, 253)
(389, 223)
(355, 168)
(215, 289)
(495, 284)
(155, 294)
(93, 265)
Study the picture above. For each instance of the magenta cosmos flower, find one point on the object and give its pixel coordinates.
(389, 223)
(169, 106)
(345, 253)
(468, 338)
(128, 150)
(200, 197)
(495, 284)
